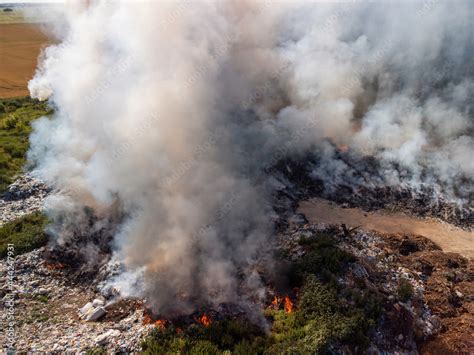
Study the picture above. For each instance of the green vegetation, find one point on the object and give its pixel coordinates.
(327, 313)
(324, 318)
(36, 316)
(42, 298)
(226, 335)
(404, 290)
(97, 351)
(322, 258)
(15, 118)
(26, 233)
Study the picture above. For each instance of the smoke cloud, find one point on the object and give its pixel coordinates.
(167, 116)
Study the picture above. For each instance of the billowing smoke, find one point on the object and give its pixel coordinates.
(168, 116)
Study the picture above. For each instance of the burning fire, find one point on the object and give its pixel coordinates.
(276, 301)
(288, 305)
(343, 148)
(205, 320)
(158, 323)
(147, 319)
(54, 266)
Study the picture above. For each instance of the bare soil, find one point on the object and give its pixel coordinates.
(20, 46)
(448, 237)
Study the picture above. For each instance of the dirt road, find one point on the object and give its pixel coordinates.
(446, 236)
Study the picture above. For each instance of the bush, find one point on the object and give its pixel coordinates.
(10, 122)
(404, 290)
(322, 258)
(324, 317)
(202, 347)
(237, 336)
(317, 300)
(26, 233)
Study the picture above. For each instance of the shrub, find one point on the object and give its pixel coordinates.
(42, 298)
(404, 290)
(237, 336)
(10, 122)
(202, 347)
(317, 300)
(322, 258)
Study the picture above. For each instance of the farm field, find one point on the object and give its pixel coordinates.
(20, 45)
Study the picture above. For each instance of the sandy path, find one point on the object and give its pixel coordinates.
(447, 237)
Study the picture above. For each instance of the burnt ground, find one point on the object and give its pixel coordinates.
(361, 185)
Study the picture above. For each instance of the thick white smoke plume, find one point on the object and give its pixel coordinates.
(167, 115)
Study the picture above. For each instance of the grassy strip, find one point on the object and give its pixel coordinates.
(26, 234)
(15, 118)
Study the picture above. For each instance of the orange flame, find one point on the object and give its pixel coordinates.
(54, 266)
(343, 148)
(288, 305)
(205, 320)
(276, 301)
(147, 319)
(160, 323)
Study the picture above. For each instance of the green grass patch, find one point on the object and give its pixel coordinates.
(26, 233)
(16, 116)
(42, 298)
(36, 316)
(97, 351)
